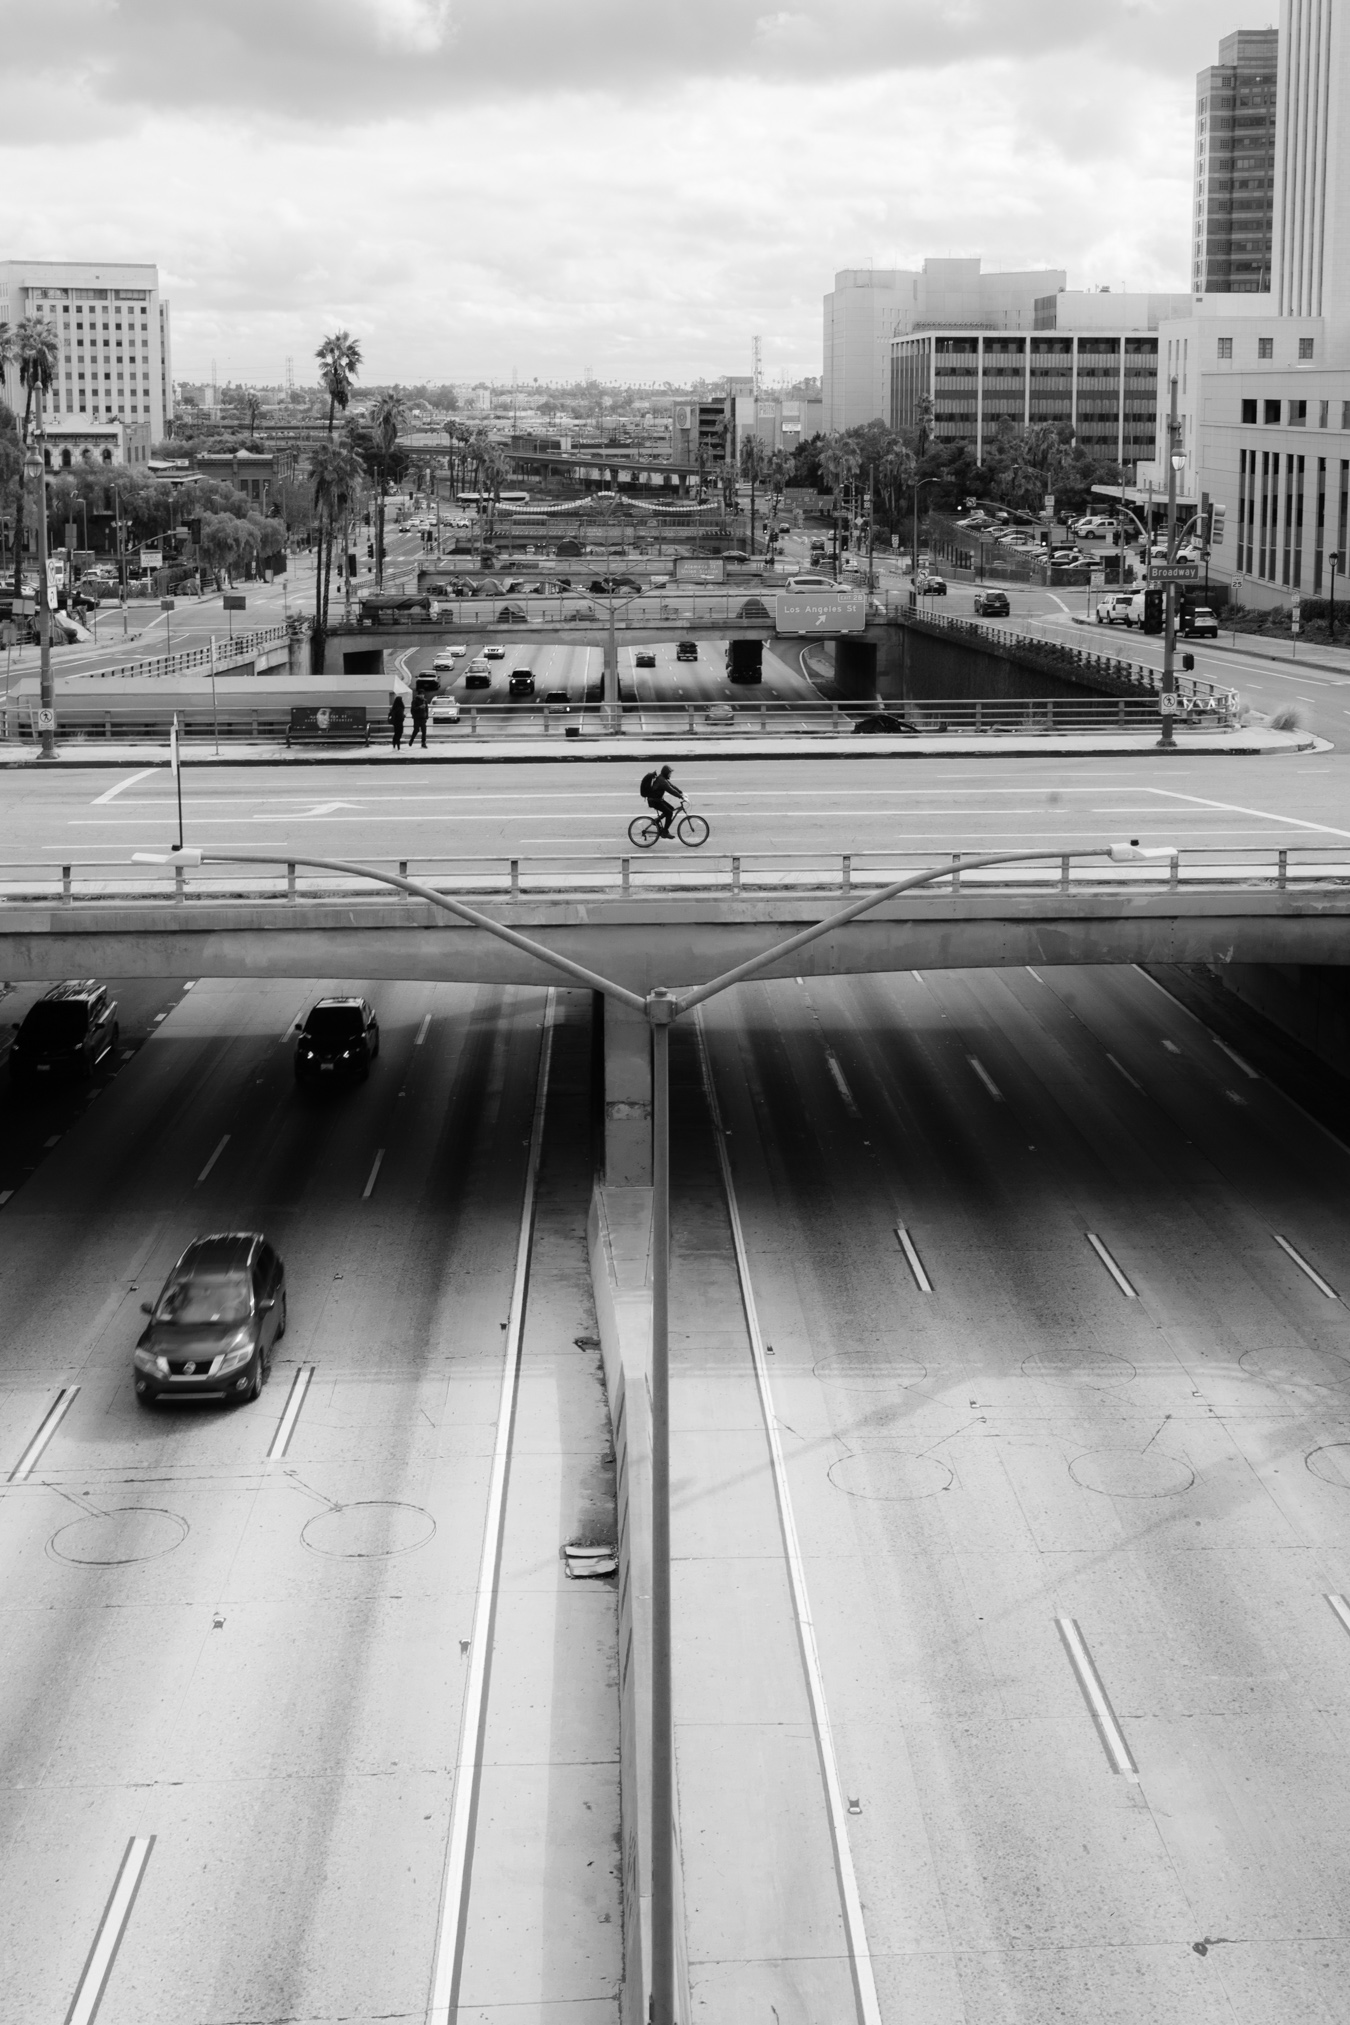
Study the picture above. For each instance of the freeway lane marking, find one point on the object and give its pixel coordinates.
(422, 1030)
(51, 1420)
(1104, 1255)
(1120, 1066)
(295, 1399)
(1234, 1056)
(990, 1085)
(1094, 1694)
(916, 1265)
(99, 1966)
(841, 1082)
(214, 1158)
(369, 1188)
(111, 794)
(1342, 1610)
(1322, 1285)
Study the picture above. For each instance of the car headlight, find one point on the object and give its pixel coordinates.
(150, 1360)
(237, 1357)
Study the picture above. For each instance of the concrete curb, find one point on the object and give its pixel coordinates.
(1255, 743)
(618, 1241)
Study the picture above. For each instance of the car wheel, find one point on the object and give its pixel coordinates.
(255, 1390)
(281, 1325)
(147, 1400)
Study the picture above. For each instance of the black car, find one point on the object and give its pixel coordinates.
(338, 1042)
(520, 682)
(992, 604)
(687, 650)
(213, 1329)
(71, 1029)
(644, 658)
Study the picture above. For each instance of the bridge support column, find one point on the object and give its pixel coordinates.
(855, 668)
(628, 1095)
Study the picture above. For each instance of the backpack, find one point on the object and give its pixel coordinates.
(646, 785)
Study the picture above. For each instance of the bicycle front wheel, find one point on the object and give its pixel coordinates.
(643, 831)
(692, 830)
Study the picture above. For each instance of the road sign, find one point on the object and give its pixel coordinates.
(817, 612)
(166, 604)
(1167, 703)
(234, 601)
(1176, 573)
(46, 720)
(152, 558)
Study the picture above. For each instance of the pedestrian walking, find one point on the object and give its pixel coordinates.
(396, 712)
(419, 722)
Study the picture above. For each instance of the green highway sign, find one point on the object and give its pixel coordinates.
(1176, 573)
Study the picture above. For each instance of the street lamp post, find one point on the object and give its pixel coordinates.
(1334, 559)
(661, 1008)
(35, 467)
(1168, 699)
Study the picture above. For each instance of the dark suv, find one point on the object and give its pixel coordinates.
(212, 1331)
(992, 604)
(66, 1034)
(339, 1041)
(687, 650)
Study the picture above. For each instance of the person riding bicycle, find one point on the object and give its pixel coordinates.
(660, 793)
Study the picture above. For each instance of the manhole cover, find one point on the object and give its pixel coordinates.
(873, 1372)
(111, 1539)
(889, 1474)
(373, 1529)
(1128, 1473)
(1078, 1367)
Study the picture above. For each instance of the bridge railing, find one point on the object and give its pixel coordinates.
(1305, 870)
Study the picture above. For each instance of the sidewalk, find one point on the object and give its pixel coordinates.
(1245, 741)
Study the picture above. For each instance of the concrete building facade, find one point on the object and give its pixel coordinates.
(1234, 201)
(112, 325)
(869, 307)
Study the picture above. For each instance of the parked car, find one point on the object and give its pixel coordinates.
(218, 1319)
(1093, 526)
(71, 1029)
(992, 604)
(1200, 624)
(930, 586)
(1065, 558)
(687, 650)
(644, 658)
(520, 682)
(338, 1042)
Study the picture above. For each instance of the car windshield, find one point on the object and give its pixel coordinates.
(221, 1298)
(56, 1023)
(334, 1023)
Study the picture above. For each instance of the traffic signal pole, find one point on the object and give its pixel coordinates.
(1168, 699)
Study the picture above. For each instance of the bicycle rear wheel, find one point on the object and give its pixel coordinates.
(692, 830)
(643, 831)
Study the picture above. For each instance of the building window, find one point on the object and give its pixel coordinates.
(1265, 348)
(1225, 348)
(1298, 414)
(1272, 411)
(1320, 527)
(1249, 410)
(1323, 414)
(1305, 348)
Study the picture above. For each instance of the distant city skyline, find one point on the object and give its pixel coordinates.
(628, 202)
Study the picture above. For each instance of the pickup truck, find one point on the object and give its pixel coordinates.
(1124, 608)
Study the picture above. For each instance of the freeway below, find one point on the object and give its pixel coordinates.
(581, 809)
(574, 674)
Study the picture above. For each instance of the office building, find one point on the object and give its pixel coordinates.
(868, 307)
(112, 329)
(1234, 204)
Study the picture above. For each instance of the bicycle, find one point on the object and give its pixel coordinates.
(691, 830)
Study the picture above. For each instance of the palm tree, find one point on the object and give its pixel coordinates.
(35, 345)
(333, 471)
(386, 418)
(840, 463)
(754, 463)
(339, 359)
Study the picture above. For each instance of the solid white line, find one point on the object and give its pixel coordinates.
(1036, 974)
(855, 1931)
(1341, 1608)
(111, 794)
(214, 1158)
(5, 1194)
(1303, 1266)
(454, 1900)
(1235, 1057)
(94, 1979)
(1104, 1255)
(369, 1188)
(422, 1030)
(841, 1082)
(990, 1085)
(1172, 1047)
(1125, 1073)
(295, 1399)
(1095, 1695)
(51, 1420)
(908, 1247)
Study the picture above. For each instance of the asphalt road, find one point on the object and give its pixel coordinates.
(1025, 1455)
(261, 1663)
(755, 806)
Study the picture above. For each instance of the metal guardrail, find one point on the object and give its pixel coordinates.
(1293, 869)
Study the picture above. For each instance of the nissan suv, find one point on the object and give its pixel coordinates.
(338, 1042)
(71, 1029)
(218, 1318)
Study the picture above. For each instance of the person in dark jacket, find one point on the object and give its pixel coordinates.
(420, 714)
(396, 720)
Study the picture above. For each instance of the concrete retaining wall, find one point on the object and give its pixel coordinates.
(619, 1242)
(1310, 1001)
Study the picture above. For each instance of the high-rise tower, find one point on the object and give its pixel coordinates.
(1235, 166)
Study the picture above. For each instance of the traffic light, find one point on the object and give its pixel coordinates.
(1153, 611)
(1217, 515)
(194, 528)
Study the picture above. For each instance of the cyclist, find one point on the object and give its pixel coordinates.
(660, 793)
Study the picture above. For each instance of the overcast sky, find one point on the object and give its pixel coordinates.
(477, 186)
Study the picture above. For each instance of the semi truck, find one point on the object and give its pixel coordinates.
(745, 660)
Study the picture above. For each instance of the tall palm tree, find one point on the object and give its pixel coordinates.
(36, 347)
(333, 472)
(339, 359)
(754, 464)
(386, 419)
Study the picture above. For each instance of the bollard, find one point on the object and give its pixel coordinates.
(290, 882)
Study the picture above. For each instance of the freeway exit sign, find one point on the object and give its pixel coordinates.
(1176, 573)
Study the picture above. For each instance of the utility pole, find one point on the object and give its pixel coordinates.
(1168, 700)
